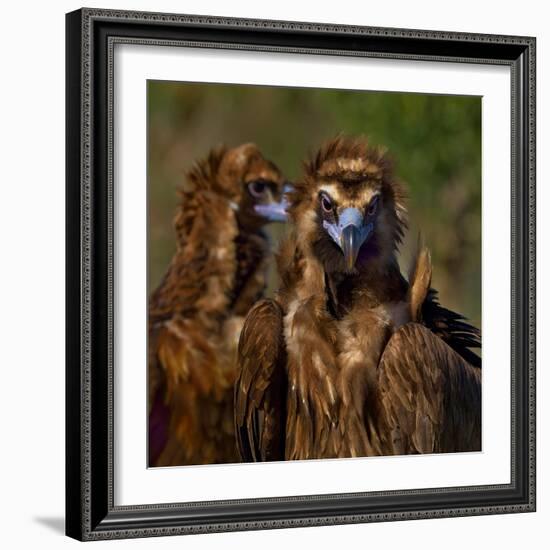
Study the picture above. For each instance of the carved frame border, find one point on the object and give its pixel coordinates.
(91, 38)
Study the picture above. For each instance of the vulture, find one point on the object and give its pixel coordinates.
(351, 358)
(196, 314)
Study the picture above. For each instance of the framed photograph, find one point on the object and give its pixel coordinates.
(300, 274)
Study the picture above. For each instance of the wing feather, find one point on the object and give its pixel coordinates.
(260, 390)
(452, 328)
(430, 396)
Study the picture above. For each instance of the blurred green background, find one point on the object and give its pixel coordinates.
(435, 141)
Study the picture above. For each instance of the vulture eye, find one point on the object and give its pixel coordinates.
(257, 188)
(326, 203)
(373, 207)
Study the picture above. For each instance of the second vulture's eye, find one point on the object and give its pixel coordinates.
(326, 203)
(257, 188)
(373, 207)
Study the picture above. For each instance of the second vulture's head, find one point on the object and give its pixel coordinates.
(348, 208)
(252, 185)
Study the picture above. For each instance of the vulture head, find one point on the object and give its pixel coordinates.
(348, 208)
(252, 185)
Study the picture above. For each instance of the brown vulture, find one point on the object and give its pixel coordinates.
(351, 359)
(196, 314)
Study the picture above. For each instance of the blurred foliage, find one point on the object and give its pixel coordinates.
(434, 139)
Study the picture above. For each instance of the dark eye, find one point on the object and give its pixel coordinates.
(257, 188)
(326, 203)
(373, 207)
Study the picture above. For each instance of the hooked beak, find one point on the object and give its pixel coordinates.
(349, 234)
(275, 211)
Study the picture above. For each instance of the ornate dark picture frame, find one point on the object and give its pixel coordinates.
(90, 510)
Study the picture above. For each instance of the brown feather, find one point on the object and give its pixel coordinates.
(420, 281)
(195, 315)
(260, 389)
(370, 362)
(445, 394)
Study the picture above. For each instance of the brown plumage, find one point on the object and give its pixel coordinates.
(196, 314)
(350, 358)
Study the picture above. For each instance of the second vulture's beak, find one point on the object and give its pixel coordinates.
(350, 233)
(275, 211)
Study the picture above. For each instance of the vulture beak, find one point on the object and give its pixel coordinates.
(350, 233)
(275, 211)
